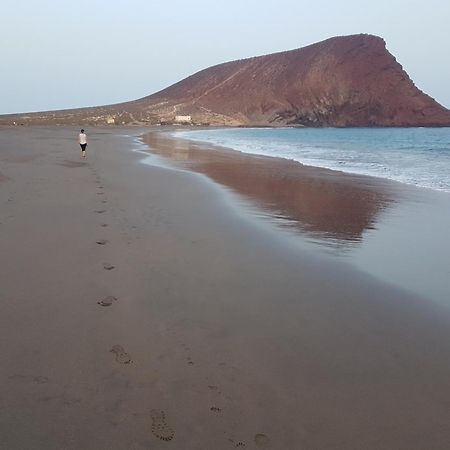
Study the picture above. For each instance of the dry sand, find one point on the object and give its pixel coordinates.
(211, 333)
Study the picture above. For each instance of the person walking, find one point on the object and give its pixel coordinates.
(82, 139)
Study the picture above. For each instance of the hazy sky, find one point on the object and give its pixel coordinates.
(63, 54)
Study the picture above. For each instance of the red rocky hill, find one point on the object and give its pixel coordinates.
(342, 81)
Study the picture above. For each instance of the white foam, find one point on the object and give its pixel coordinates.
(420, 157)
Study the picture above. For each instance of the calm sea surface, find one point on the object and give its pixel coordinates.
(416, 156)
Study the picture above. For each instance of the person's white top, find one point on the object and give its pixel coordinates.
(83, 138)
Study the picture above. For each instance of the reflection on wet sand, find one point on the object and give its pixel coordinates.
(327, 205)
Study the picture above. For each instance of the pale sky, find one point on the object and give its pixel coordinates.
(59, 54)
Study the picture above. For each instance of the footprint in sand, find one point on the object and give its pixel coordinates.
(100, 193)
(215, 409)
(122, 357)
(104, 225)
(104, 201)
(102, 241)
(100, 211)
(160, 428)
(108, 266)
(261, 440)
(107, 301)
(237, 444)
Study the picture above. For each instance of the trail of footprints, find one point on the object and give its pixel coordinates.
(121, 356)
(160, 426)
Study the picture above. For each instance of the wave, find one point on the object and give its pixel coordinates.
(415, 156)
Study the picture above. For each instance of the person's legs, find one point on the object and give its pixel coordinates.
(83, 150)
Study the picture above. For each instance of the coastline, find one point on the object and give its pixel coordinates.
(315, 199)
(236, 337)
(367, 221)
(382, 153)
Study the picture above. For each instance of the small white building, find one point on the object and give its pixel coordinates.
(110, 120)
(183, 119)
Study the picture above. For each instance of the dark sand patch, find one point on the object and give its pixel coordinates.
(72, 164)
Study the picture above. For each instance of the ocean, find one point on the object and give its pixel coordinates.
(415, 156)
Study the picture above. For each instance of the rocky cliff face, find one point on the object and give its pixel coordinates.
(343, 81)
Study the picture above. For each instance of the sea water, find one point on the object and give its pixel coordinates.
(416, 156)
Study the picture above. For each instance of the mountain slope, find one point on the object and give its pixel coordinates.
(342, 81)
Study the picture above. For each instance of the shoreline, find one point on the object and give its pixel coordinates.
(228, 167)
(205, 144)
(359, 219)
(238, 339)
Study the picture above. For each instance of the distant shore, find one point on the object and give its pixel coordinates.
(141, 310)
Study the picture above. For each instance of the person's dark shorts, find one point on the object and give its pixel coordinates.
(83, 147)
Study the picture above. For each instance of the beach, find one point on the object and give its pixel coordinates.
(212, 332)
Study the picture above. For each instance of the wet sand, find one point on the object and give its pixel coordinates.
(141, 310)
(319, 202)
(393, 231)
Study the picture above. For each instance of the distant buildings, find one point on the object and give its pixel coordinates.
(183, 119)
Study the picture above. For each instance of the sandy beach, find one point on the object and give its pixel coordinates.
(141, 310)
